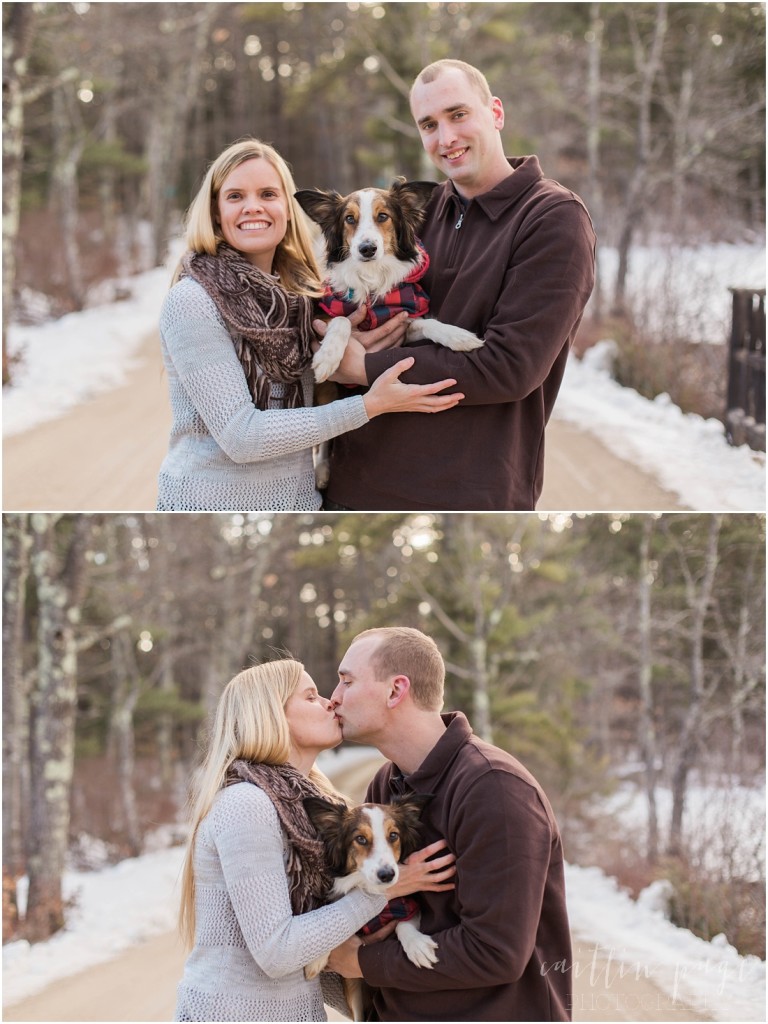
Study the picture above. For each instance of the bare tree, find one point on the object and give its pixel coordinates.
(647, 730)
(16, 544)
(58, 569)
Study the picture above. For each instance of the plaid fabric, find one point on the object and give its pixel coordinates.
(408, 296)
(402, 908)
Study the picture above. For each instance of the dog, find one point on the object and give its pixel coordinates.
(365, 845)
(371, 251)
(372, 256)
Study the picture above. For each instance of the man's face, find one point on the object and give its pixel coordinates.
(360, 699)
(459, 130)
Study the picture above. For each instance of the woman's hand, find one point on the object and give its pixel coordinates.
(389, 394)
(419, 874)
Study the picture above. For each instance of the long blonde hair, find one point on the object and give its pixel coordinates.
(250, 722)
(295, 259)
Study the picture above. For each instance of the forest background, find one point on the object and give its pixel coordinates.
(653, 112)
(604, 651)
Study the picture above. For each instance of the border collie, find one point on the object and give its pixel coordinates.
(365, 845)
(373, 256)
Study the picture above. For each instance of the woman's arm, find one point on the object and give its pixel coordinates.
(201, 352)
(249, 843)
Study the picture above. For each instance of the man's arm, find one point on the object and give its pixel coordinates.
(546, 287)
(503, 840)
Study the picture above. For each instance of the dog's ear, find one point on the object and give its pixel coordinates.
(410, 808)
(414, 802)
(324, 815)
(321, 206)
(414, 195)
(328, 819)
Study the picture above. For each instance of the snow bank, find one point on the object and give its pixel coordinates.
(688, 455)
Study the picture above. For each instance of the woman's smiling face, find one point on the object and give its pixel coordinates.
(252, 211)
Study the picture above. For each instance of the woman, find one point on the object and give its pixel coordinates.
(237, 346)
(255, 878)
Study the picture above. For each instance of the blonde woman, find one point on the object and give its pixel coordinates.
(237, 345)
(254, 878)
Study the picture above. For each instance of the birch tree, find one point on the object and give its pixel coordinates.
(16, 545)
(58, 571)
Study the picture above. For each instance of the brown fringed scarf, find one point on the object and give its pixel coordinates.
(272, 328)
(309, 879)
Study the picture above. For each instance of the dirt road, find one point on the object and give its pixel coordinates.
(140, 984)
(103, 456)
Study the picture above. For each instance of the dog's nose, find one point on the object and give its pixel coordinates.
(385, 875)
(367, 250)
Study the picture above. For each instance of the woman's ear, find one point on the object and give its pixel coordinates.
(398, 690)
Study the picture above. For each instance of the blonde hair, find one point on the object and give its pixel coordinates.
(295, 259)
(434, 70)
(250, 722)
(405, 651)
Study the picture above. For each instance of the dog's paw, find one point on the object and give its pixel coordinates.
(322, 474)
(327, 358)
(324, 363)
(419, 948)
(312, 970)
(455, 338)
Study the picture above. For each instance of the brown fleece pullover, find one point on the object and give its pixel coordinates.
(504, 945)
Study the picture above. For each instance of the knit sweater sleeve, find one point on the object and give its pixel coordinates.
(248, 838)
(200, 350)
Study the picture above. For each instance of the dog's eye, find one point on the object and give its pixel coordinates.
(382, 217)
(361, 840)
(350, 219)
(393, 837)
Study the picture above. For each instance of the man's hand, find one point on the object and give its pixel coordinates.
(344, 960)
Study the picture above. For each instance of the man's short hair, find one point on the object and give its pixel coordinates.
(434, 70)
(409, 652)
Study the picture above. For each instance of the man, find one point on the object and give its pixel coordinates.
(503, 940)
(512, 260)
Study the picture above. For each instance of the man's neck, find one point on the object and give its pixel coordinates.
(409, 747)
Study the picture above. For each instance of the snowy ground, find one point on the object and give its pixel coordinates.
(64, 362)
(120, 906)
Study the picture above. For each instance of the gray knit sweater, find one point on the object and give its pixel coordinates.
(250, 951)
(224, 453)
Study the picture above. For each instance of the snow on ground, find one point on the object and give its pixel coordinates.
(64, 362)
(688, 455)
(120, 906)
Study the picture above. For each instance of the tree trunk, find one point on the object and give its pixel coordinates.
(647, 727)
(58, 577)
(125, 695)
(16, 542)
(18, 28)
(594, 187)
(638, 195)
(68, 145)
(699, 597)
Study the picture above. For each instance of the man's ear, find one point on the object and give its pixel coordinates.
(399, 688)
(497, 109)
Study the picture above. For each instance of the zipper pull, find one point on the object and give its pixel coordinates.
(459, 222)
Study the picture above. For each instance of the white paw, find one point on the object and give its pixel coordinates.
(322, 474)
(327, 358)
(312, 970)
(455, 338)
(419, 948)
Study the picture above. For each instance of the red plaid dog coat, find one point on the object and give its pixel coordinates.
(408, 296)
(402, 908)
